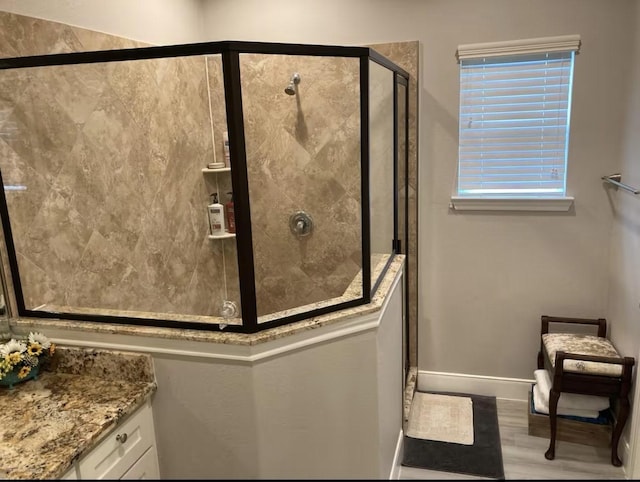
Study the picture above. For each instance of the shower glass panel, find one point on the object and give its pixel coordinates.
(116, 164)
(402, 161)
(102, 165)
(401, 156)
(303, 145)
(381, 167)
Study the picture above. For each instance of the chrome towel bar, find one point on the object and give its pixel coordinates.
(615, 180)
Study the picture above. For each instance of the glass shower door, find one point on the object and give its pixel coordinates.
(303, 147)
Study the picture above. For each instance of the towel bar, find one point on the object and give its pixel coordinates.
(615, 180)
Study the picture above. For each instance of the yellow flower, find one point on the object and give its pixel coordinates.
(5, 367)
(14, 358)
(34, 348)
(24, 371)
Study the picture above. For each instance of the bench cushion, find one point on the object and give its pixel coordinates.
(582, 345)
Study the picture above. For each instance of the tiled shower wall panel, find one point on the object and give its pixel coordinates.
(115, 233)
(303, 154)
(112, 214)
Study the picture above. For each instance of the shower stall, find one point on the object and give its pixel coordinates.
(110, 160)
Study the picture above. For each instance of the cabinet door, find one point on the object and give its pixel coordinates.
(145, 468)
(121, 448)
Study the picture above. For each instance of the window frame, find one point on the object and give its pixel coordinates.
(524, 48)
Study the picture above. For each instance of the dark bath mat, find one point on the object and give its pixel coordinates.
(483, 458)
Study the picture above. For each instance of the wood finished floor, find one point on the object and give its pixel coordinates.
(523, 455)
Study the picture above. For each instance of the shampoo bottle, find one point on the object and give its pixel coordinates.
(216, 213)
(230, 214)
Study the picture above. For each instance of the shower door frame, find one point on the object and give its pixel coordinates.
(230, 52)
(399, 247)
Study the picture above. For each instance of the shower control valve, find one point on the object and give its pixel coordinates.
(300, 223)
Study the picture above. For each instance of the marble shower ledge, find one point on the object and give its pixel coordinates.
(377, 300)
(353, 291)
(48, 423)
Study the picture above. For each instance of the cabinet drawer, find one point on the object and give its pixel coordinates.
(120, 449)
(145, 468)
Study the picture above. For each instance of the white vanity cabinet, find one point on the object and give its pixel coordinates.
(127, 451)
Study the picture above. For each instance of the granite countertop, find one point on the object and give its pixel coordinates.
(48, 423)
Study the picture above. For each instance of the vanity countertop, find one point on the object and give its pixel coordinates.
(48, 423)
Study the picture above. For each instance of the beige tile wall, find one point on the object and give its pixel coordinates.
(113, 215)
(303, 153)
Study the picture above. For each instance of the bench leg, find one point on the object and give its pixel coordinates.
(554, 395)
(617, 431)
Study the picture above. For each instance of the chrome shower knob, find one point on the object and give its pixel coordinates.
(300, 224)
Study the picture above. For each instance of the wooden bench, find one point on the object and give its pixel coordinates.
(588, 365)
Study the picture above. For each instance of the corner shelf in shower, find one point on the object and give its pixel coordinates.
(222, 236)
(206, 170)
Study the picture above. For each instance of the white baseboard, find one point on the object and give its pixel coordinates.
(508, 388)
(397, 458)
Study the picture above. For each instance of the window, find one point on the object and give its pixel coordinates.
(515, 105)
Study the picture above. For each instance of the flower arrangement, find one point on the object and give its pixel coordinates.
(20, 359)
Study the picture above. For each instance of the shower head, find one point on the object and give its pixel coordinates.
(291, 88)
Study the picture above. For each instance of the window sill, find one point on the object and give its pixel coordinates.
(512, 204)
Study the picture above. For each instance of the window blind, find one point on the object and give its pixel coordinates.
(514, 124)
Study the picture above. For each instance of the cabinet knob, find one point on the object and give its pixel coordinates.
(121, 437)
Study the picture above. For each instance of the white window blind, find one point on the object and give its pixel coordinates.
(515, 103)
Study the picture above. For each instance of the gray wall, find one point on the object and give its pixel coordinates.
(624, 263)
(319, 404)
(390, 381)
(486, 278)
(624, 208)
(205, 419)
(151, 21)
